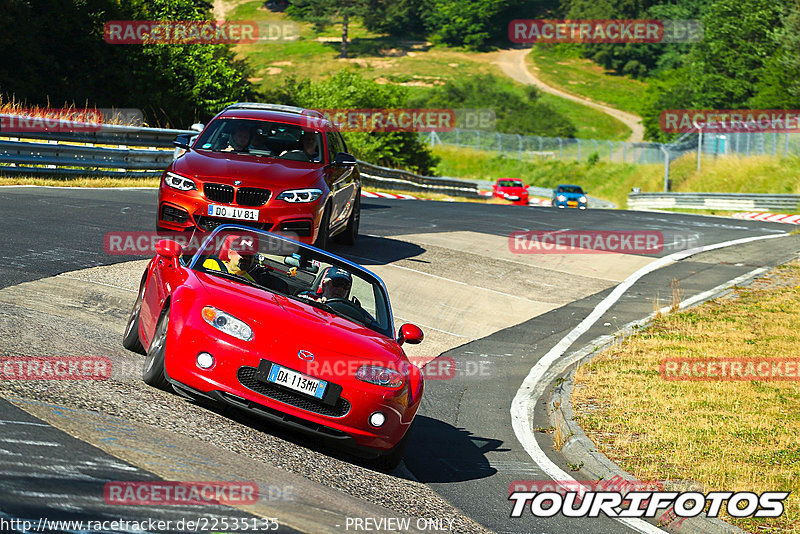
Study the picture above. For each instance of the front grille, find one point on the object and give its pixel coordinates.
(210, 223)
(252, 196)
(218, 192)
(247, 377)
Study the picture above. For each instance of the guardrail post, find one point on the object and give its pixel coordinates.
(774, 142)
(457, 137)
(666, 167)
(610, 150)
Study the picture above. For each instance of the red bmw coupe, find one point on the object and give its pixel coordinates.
(266, 166)
(282, 330)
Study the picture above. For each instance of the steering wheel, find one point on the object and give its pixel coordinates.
(361, 316)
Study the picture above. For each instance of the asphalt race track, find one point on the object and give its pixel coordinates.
(448, 267)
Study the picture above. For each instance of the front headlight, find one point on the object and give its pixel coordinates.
(582, 199)
(227, 323)
(561, 198)
(300, 195)
(176, 181)
(381, 376)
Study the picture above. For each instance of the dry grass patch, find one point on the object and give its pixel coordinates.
(727, 435)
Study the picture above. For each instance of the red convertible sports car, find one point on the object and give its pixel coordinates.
(265, 166)
(282, 330)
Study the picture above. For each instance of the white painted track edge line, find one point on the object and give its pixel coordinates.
(527, 394)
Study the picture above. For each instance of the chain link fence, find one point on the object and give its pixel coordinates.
(534, 147)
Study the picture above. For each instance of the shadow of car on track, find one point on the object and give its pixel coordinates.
(370, 250)
(439, 452)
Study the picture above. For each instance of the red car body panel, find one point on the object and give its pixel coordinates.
(281, 328)
(340, 185)
(500, 191)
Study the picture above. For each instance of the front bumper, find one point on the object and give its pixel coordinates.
(230, 380)
(570, 204)
(187, 211)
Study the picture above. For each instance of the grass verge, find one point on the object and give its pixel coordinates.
(563, 68)
(726, 435)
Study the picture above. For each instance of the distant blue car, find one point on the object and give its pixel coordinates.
(569, 196)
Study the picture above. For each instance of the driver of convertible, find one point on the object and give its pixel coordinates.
(235, 257)
(335, 284)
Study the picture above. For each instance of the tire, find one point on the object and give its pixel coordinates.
(153, 372)
(350, 234)
(323, 236)
(392, 459)
(130, 340)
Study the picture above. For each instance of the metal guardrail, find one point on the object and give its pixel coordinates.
(374, 175)
(104, 150)
(718, 201)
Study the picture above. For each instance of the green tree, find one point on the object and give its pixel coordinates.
(324, 13)
(779, 86)
(727, 66)
(349, 90)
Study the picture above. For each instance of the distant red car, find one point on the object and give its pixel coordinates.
(283, 331)
(512, 190)
(266, 166)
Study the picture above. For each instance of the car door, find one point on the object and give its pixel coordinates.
(341, 180)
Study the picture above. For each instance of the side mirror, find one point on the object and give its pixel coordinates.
(197, 127)
(182, 141)
(410, 334)
(169, 249)
(344, 159)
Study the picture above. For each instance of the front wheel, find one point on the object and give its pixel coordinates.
(350, 234)
(153, 373)
(395, 455)
(324, 229)
(131, 339)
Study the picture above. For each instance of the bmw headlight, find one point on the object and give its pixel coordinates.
(561, 198)
(176, 181)
(227, 323)
(381, 376)
(582, 199)
(300, 195)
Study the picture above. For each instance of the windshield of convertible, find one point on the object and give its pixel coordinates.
(267, 262)
(511, 183)
(262, 138)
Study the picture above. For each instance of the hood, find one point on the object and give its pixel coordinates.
(512, 190)
(225, 167)
(572, 195)
(283, 326)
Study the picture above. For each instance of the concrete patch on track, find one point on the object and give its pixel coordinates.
(610, 267)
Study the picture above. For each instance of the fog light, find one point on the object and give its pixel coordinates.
(205, 360)
(377, 419)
